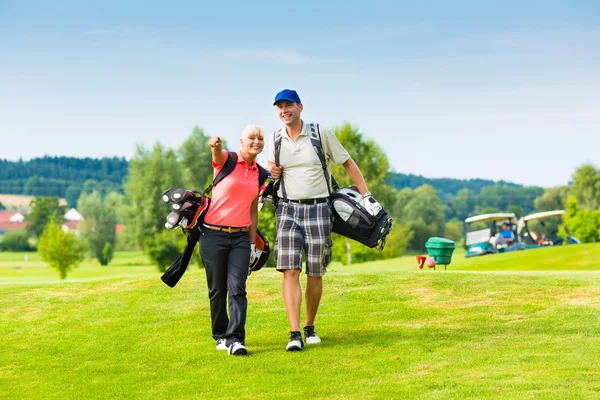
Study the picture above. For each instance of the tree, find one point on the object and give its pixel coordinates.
(402, 198)
(374, 166)
(554, 198)
(150, 174)
(196, 160)
(60, 249)
(43, 209)
(424, 216)
(515, 209)
(464, 203)
(584, 223)
(98, 229)
(586, 187)
(72, 195)
(454, 230)
(371, 160)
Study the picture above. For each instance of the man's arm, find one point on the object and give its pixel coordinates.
(275, 170)
(355, 175)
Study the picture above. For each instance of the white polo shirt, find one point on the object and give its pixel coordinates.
(302, 172)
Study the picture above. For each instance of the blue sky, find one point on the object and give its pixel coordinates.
(463, 89)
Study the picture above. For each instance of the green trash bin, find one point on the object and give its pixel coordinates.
(440, 249)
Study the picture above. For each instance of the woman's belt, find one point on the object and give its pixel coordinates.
(228, 229)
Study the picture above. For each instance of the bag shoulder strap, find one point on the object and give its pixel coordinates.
(278, 135)
(315, 138)
(228, 167)
(277, 143)
(263, 174)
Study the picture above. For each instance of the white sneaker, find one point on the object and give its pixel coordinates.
(310, 335)
(221, 344)
(237, 349)
(295, 343)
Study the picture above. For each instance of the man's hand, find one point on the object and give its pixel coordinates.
(370, 204)
(252, 253)
(276, 172)
(215, 142)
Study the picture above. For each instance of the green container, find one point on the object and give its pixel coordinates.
(440, 249)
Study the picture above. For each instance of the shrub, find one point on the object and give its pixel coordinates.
(16, 241)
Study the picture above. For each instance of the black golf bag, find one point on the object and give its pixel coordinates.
(188, 208)
(350, 219)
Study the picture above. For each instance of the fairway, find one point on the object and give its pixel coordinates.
(508, 326)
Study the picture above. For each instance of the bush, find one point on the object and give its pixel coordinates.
(16, 241)
(163, 248)
(107, 253)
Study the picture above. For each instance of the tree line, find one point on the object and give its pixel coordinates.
(66, 177)
(69, 177)
(419, 212)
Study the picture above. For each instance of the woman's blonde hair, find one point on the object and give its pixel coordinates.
(252, 129)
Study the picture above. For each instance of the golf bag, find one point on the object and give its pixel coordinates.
(174, 273)
(188, 208)
(352, 220)
(263, 251)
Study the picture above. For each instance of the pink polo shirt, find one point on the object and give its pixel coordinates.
(233, 196)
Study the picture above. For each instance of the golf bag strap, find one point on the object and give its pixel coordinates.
(279, 182)
(315, 138)
(263, 175)
(228, 167)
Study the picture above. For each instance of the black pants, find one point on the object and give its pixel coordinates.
(226, 257)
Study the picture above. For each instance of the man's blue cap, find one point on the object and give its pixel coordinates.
(287, 94)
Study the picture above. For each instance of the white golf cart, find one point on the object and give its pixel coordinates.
(541, 230)
(482, 234)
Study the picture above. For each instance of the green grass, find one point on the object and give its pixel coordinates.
(29, 269)
(511, 326)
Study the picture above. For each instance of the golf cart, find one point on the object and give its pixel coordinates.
(482, 231)
(544, 222)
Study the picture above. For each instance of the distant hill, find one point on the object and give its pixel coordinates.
(447, 186)
(62, 176)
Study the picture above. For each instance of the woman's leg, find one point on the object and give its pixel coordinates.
(237, 274)
(214, 249)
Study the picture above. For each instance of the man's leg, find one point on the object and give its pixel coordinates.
(316, 229)
(292, 297)
(314, 291)
(288, 253)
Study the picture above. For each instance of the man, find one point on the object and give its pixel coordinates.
(303, 214)
(506, 237)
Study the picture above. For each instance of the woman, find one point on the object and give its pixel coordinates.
(228, 238)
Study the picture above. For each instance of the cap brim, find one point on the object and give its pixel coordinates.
(278, 100)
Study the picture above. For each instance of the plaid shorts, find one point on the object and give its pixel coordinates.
(303, 227)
